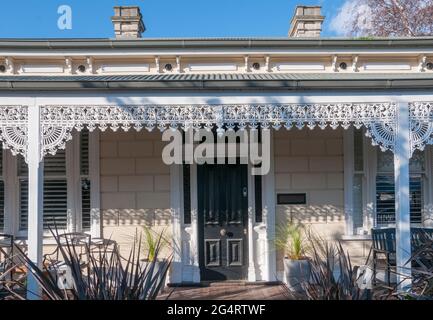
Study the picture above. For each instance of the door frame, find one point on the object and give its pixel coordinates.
(250, 239)
(261, 253)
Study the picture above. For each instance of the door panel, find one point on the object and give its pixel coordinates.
(234, 252)
(222, 217)
(213, 253)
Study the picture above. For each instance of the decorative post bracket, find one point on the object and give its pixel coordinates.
(13, 129)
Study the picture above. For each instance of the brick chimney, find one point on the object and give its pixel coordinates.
(127, 22)
(307, 22)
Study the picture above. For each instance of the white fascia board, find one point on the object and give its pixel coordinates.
(212, 52)
(227, 97)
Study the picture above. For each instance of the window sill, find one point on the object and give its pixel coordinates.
(48, 240)
(361, 237)
(23, 241)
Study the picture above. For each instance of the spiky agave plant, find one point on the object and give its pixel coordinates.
(101, 273)
(422, 271)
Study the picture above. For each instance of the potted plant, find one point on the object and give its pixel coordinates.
(297, 269)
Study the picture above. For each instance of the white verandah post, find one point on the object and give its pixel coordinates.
(176, 204)
(402, 201)
(35, 198)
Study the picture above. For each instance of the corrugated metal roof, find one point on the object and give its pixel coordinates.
(220, 77)
(250, 81)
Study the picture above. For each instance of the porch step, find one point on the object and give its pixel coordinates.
(227, 283)
(237, 283)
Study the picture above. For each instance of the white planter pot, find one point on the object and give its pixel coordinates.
(295, 273)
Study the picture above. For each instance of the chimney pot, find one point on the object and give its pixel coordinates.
(307, 22)
(128, 22)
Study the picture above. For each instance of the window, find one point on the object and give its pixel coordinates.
(258, 198)
(371, 191)
(385, 192)
(58, 182)
(55, 192)
(358, 181)
(186, 194)
(85, 181)
(23, 192)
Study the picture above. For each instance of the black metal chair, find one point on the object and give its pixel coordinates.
(72, 240)
(103, 248)
(421, 258)
(79, 244)
(384, 243)
(419, 236)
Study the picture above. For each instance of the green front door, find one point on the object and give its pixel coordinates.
(222, 221)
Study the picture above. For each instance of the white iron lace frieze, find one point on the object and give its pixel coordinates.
(13, 128)
(421, 124)
(59, 121)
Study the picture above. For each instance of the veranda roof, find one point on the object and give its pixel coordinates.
(252, 81)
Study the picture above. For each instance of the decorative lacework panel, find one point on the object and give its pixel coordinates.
(59, 121)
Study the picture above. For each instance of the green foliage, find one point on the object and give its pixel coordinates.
(151, 241)
(98, 272)
(290, 238)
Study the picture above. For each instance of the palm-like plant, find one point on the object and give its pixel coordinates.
(152, 242)
(291, 240)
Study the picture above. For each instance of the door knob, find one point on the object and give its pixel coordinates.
(245, 192)
(223, 232)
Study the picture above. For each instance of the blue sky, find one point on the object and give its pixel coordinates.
(163, 18)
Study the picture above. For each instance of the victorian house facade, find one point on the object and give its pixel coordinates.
(350, 122)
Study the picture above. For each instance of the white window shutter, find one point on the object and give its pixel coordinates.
(56, 188)
(55, 192)
(55, 203)
(385, 199)
(24, 203)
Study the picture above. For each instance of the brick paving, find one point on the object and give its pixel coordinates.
(226, 291)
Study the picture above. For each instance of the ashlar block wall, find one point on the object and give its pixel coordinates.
(312, 162)
(135, 185)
